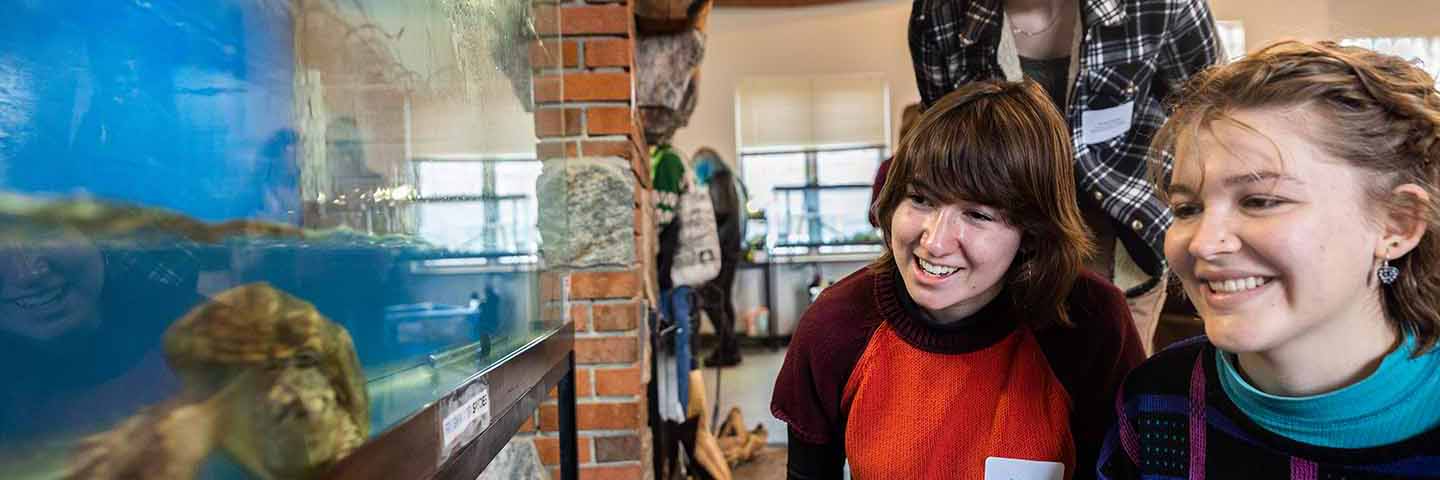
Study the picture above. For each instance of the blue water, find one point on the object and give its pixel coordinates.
(191, 108)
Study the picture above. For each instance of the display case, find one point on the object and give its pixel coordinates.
(270, 238)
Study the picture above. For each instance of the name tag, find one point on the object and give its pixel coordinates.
(999, 468)
(1107, 123)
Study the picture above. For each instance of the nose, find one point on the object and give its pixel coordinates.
(942, 234)
(1213, 236)
(27, 265)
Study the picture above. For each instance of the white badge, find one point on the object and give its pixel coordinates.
(999, 468)
(1107, 123)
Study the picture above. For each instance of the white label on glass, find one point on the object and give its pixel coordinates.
(464, 414)
(1000, 468)
(1106, 123)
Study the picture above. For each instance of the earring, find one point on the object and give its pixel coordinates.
(1387, 272)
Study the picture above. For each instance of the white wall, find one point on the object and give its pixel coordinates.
(864, 36)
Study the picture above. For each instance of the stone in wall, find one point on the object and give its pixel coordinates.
(587, 213)
(517, 461)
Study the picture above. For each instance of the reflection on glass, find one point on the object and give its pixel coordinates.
(268, 228)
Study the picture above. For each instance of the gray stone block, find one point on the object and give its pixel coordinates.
(587, 213)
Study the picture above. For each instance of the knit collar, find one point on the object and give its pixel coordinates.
(984, 328)
(1388, 406)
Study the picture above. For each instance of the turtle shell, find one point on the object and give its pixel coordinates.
(256, 326)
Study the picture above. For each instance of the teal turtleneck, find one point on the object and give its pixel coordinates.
(1394, 403)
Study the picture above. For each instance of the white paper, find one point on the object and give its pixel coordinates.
(464, 416)
(1107, 123)
(1000, 468)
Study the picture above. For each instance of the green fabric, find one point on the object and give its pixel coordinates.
(1392, 404)
(667, 170)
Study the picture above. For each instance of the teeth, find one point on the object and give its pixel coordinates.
(40, 299)
(1236, 284)
(937, 270)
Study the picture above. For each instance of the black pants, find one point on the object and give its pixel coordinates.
(715, 299)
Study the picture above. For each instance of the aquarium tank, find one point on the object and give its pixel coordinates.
(239, 238)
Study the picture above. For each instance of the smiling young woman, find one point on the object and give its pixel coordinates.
(975, 343)
(1304, 191)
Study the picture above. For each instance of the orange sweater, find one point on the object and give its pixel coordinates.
(917, 414)
(868, 380)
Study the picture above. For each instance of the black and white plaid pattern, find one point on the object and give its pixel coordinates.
(1132, 50)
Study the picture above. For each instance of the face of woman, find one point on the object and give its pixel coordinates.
(1276, 252)
(952, 257)
(49, 285)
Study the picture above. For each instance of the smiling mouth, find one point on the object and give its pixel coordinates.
(41, 299)
(1237, 285)
(936, 269)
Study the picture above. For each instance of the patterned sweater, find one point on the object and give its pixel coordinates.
(865, 379)
(1177, 422)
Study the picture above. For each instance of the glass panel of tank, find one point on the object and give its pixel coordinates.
(240, 237)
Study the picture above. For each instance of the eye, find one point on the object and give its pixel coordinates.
(1185, 210)
(1259, 202)
(979, 216)
(918, 199)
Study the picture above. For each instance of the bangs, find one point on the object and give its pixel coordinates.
(987, 154)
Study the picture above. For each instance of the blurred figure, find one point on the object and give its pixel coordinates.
(80, 329)
(907, 120)
(727, 196)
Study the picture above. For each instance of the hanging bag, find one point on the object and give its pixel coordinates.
(697, 257)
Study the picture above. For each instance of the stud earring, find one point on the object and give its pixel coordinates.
(1387, 272)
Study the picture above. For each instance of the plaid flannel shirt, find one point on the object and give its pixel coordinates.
(1136, 51)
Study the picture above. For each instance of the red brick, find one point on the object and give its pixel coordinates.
(553, 54)
(610, 52)
(595, 285)
(595, 86)
(608, 416)
(580, 314)
(549, 449)
(616, 316)
(529, 425)
(608, 120)
(550, 416)
(556, 122)
(584, 385)
(550, 282)
(547, 88)
(617, 448)
(614, 382)
(552, 150)
(597, 19)
(606, 350)
(607, 148)
(547, 19)
(608, 472)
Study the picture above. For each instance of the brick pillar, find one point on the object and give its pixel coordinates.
(585, 114)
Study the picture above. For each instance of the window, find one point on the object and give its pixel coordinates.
(480, 205)
(1232, 38)
(809, 148)
(1423, 51)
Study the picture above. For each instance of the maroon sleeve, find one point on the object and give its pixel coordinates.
(1091, 359)
(823, 351)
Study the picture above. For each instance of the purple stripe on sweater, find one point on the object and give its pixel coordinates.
(1302, 469)
(1197, 420)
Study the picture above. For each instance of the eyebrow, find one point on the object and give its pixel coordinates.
(1238, 180)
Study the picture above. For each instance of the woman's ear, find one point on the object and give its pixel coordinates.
(1406, 222)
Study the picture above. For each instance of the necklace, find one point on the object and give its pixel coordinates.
(1054, 20)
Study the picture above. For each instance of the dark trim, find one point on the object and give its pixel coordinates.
(517, 386)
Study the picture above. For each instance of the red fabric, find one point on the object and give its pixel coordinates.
(909, 409)
(1089, 360)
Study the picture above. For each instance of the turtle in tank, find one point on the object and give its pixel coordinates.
(264, 376)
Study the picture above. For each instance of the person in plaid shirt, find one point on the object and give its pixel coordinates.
(1108, 65)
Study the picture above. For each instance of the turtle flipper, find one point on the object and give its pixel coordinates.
(168, 442)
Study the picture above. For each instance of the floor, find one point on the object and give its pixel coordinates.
(749, 386)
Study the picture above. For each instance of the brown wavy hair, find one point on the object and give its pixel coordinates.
(1004, 145)
(1376, 112)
